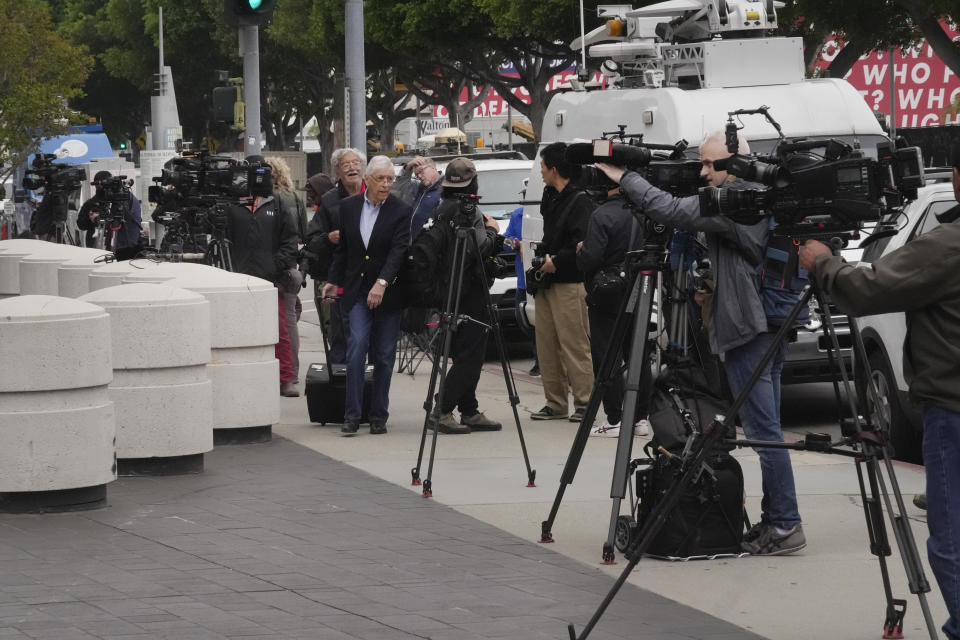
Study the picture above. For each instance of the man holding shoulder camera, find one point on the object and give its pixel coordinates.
(739, 329)
(458, 208)
(562, 326)
(124, 240)
(920, 279)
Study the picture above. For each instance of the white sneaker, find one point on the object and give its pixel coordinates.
(642, 428)
(606, 430)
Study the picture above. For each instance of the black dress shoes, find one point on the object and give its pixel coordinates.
(377, 427)
(349, 429)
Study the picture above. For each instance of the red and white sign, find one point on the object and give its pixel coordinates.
(925, 89)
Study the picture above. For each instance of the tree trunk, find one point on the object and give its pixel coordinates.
(845, 60)
(937, 38)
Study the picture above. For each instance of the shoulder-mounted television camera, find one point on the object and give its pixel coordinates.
(814, 187)
(114, 193)
(53, 176)
(664, 166)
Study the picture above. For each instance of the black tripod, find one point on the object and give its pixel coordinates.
(645, 270)
(218, 250)
(450, 321)
(867, 445)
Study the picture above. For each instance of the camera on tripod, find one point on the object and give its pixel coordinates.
(115, 192)
(664, 166)
(466, 211)
(834, 192)
(57, 180)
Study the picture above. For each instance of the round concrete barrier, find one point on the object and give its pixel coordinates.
(147, 271)
(57, 424)
(73, 275)
(243, 368)
(113, 273)
(39, 271)
(160, 388)
(11, 253)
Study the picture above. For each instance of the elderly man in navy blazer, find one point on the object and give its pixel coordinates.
(374, 234)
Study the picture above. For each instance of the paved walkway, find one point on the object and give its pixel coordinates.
(278, 541)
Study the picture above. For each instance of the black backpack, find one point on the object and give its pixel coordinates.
(424, 278)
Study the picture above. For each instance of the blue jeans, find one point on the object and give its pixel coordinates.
(760, 416)
(374, 331)
(941, 458)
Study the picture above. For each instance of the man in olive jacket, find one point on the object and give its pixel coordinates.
(920, 278)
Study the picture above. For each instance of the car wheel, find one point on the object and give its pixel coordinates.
(887, 414)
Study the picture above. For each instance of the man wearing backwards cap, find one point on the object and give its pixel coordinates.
(470, 340)
(921, 279)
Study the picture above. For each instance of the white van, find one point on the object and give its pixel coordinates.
(729, 75)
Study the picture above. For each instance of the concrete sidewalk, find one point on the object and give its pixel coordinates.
(277, 541)
(832, 588)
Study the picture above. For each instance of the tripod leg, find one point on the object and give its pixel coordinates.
(637, 389)
(453, 301)
(508, 380)
(610, 366)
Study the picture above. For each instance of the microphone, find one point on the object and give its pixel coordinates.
(621, 155)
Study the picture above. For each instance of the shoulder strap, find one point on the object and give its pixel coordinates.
(567, 209)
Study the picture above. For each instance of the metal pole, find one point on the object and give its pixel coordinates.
(509, 127)
(160, 28)
(893, 100)
(355, 69)
(250, 50)
(583, 46)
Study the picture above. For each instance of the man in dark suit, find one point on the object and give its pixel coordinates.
(374, 234)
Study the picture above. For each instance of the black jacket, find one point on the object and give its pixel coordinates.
(262, 243)
(608, 237)
(357, 268)
(562, 242)
(318, 249)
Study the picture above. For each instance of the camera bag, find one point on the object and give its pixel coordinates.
(708, 519)
(326, 388)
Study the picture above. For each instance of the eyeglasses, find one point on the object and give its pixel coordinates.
(382, 179)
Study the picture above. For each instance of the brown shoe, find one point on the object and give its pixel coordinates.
(289, 390)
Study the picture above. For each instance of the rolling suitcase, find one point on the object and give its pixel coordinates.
(326, 389)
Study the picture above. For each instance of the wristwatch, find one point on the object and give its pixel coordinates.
(382, 282)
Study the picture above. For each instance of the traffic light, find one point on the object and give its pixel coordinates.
(248, 12)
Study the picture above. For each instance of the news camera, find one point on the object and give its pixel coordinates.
(53, 176)
(115, 192)
(664, 166)
(814, 188)
(195, 191)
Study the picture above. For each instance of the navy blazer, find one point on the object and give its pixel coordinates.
(357, 268)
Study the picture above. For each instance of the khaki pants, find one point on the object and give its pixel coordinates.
(563, 345)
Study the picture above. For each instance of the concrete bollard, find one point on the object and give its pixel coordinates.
(73, 275)
(160, 388)
(243, 369)
(39, 271)
(147, 271)
(112, 274)
(11, 253)
(57, 423)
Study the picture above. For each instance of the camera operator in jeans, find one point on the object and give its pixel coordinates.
(470, 339)
(920, 278)
(125, 241)
(563, 330)
(739, 330)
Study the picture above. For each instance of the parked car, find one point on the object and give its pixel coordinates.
(884, 334)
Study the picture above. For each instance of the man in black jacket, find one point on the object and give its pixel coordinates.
(263, 243)
(323, 238)
(373, 238)
(563, 330)
(605, 246)
(470, 339)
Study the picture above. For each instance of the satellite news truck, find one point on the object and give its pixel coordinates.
(671, 92)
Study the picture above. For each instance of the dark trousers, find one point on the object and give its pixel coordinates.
(601, 332)
(376, 331)
(467, 352)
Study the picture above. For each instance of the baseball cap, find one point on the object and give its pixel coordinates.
(459, 173)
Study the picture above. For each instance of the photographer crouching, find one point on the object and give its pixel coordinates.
(920, 279)
(115, 212)
(740, 329)
(458, 208)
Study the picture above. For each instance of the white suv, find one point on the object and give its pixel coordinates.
(883, 335)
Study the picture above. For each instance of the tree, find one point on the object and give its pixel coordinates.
(39, 73)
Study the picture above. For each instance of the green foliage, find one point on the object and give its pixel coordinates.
(39, 72)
